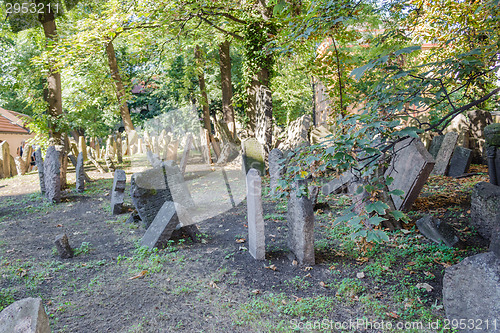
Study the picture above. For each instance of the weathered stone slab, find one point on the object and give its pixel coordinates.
(63, 248)
(172, 148)
(410, 167)
(118, 192)
(25, 316)
(276, 168)
(339, 184)
(297, 133)
(436, 143)
(485, 208)
(471, 292)
(5, 157)
(39, 165)
(80, 173)
(444, 154)
(185, 153)
(228, 153)
(256, 234)
(253, 156)
(495, 241)
(460, 161)
(320, 134)
(161, 228)
(119, 148)
(52, 175)
(313, 194)
(437, 231)
(300, 220)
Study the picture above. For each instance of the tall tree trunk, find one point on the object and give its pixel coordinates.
(227, 89)
(204, 98)
(120, 90)
(53, 92)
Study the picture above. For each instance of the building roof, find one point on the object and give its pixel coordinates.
(13, 122)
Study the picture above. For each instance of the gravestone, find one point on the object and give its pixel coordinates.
(436, 143)
(25, 316)
(63, 248)
(119, 148)
(276, 168)
(109, 163)
(162, 226)
(80, 174)
(256, 234)
(133, 140)
(228, 153)
(253, 156)
(313, 194)
(153, 159)
(485, 208)
(118, 191)
(185, 153)
(300, 221)
(140, 145)
(172, 150)
(339, 184)
(205, 148)
(410, 167)
(444, 154)
(460, 162)
(12, 166)
(437, 231)
(1, 169)
(63, 164)
(471, 292)
(39, 165)
(297, 133)
(52, 175)
(5, 157)
(495, 241)
(478, 120)
(320, 134)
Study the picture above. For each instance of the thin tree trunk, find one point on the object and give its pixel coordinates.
(227, 89)
(120, 90)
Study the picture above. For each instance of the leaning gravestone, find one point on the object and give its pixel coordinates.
(80, 173)
(410, 167)
(52, 175)
(5, 157)
(25, 316)
(437, 231)
(253, 156)
(161, 228)
(339, 184)
(460, 162)
(276, 168)
(256, 234)
(471, 293)
(39, 165)
(300, 220)
(436, 143)
(485, 208)
(297, 133)
(444, 154)
(118, 192)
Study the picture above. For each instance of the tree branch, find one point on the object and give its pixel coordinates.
(220, 29)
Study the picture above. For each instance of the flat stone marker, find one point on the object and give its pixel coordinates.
(63, 248)
(80, 174)
(437, 231)
(253, 156)
(118, 191)
(460, 162)
(485, 208)
(276, 169)
(256, 234)
(471, 292)
(444, 155)
(39, 165)
(162, 227)
(25, 316)
(300, 220)
(52, 175)
(410, 167)
(436, 143)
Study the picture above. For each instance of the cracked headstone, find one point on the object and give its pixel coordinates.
(444, 154)
(300, 220)
(276, 168)
(437, 231)
(118, 191)
(471, 292)
(52, 175)
(63, 248)
(256, 234)
(80, 173)
(25, 316)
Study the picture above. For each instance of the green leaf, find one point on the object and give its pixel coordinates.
(408, 49)
(377, 206)
(397, 192)
(399, 216)
(358, 72)
(376, 220)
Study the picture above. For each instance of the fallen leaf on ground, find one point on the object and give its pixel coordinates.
(270, 235)
(361, 260)
(241, 240)
(139, 276)
(294, 262)
(273, 267)
(404, 231)
(212, 284)
(425, 286)
(308, 275)
(411, 263)
(59, 226)
(322, 284)
(429, 274)
(283, 302)
(360, 275)
(308, 268)
(256, 291)
(392, 315)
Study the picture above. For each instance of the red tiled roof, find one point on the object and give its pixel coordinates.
(12, 122)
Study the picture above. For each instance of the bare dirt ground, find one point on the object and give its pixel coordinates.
(112, 285)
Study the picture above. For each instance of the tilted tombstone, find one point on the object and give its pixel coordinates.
(410, 167)
(118, 191)
(172, 148)
(276, 168)
(436, 143)
(339, 184)
(256, 234)
(80, 173)
(52, 175)
(12, 167)
(253, 156)
(5, 157)
(119, 148)
(39, 165)
(185, 153)
(297, 133)
(478, 120)
(444, 154)
(300, 220)
(437, 231)
(460, 162)
(25, 316)
(63, 248)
